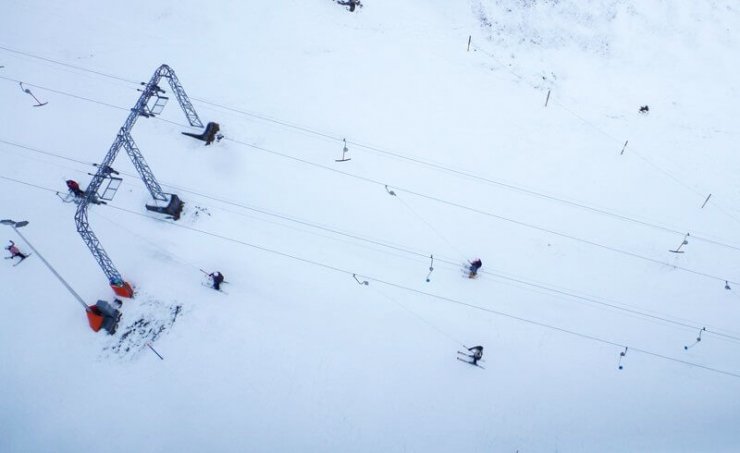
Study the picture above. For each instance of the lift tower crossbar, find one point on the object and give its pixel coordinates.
(124, 139)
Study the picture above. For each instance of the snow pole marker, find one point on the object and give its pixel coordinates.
(727, 285)
(431, 267)
(698, 340)
(364, 282)
(621, 356)
(547, 99)
(154, 351)
(470, 38)
(705, 201)
(684, 242)
(625, 145)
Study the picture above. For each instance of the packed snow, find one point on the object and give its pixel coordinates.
(507, 130)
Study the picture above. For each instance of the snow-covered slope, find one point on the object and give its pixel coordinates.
(298, 356)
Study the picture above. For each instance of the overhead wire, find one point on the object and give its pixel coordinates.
(381, 293)
(27, 183)
(611, 137)
(422, 161)
(37, 150)
(696, 237)
(474, 176)
(439, 297)
(569, 293)
(419, 161)
(64, 93)
(431, 227)
(83, 98)
(420, 318)
(486, 213)
(154, 245)
(61, 63)
(285, 124)
(424, 293)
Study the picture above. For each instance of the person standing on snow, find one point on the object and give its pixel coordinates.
(217, 278)
(14, 252)
(474, 266)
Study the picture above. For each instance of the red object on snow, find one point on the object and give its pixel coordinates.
(94, 318)
(123, 290)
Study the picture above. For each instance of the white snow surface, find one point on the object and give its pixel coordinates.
(574, 236)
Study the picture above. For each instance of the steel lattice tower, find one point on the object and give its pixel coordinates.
(124, 139)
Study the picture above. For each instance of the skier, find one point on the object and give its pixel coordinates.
(474, 266)
(217, 278)
(75, 188)
(78, 194)
(477, 354)
(351, 3)
(211, 133)
(14, 251)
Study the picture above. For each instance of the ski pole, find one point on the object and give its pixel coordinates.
(154, 351)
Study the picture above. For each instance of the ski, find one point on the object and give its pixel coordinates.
(19, 262)
(466, 271)
(470, 363)
(468, 355)
(210, 285)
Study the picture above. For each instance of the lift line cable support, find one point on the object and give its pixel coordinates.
(124, 140)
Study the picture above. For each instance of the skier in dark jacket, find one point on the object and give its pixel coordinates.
(211, 133)
(474, 266)
(477, 354)
(217, 278)
(350, 3)
(14, 252)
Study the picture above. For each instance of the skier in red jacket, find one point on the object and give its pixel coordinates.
(75, 188)
(14, 252)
